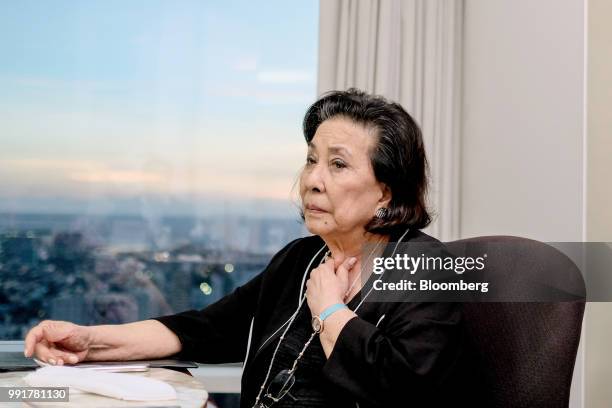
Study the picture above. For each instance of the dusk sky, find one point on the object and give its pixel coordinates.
(105, 105)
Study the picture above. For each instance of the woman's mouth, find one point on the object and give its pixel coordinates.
(314, 209)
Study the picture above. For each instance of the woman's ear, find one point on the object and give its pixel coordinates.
(386, 196)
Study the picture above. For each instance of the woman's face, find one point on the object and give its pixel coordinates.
(338, 189)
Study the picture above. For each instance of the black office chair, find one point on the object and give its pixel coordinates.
(526, 350)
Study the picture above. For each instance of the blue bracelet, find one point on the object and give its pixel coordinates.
(331, 309)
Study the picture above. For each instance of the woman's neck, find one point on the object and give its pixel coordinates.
(350, 245)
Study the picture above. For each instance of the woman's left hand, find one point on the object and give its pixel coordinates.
(327, 284)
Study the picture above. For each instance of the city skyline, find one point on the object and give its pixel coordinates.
(116, 269)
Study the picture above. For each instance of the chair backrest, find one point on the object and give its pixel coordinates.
(525, 350)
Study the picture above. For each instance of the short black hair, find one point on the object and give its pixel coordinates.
(398, 156)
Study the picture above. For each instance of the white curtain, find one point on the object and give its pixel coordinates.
(410, 52)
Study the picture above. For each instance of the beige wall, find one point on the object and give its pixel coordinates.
(522, 133)
(598, 366)
(599, 121)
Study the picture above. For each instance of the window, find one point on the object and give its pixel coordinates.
(148, 152)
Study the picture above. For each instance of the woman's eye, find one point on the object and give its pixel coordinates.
(339, 164)
(310, 160)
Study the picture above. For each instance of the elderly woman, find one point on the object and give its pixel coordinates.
(303, 327)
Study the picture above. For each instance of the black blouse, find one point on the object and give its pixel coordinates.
(310, 389)
(415, 357)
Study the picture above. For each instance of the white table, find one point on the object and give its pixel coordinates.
(190, 392)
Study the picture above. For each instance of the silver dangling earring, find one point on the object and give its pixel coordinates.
(381, 213)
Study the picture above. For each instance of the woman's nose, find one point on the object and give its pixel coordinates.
(313, 178)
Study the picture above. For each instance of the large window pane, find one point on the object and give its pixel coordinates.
(148, 152)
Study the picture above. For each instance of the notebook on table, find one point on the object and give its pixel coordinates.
(15, 361)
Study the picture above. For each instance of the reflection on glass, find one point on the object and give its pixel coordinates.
(148, 152)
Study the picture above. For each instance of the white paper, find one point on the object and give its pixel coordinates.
(116, 385)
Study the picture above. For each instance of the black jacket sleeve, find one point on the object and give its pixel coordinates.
(219, 333)
(404, 360)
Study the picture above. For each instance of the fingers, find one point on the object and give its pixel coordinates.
(42, 352)
(343, 270)
(53, 355)
(328, 265)
(348, 263)
(34, 336)
(40, 339)
(56, 331)
(63, 356)
(40, 332)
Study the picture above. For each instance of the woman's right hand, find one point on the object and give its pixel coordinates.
(57, 342)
